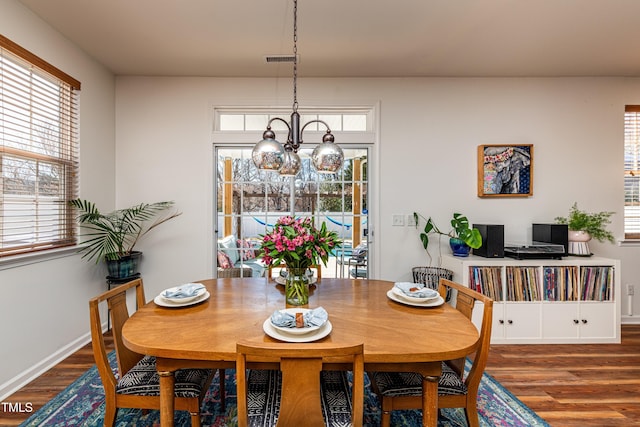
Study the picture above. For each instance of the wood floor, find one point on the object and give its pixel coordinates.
(567, 385)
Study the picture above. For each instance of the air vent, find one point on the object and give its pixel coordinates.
(281, 58)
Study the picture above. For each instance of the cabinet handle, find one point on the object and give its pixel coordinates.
(501, 321)
(510, 322)
(576, 321)
(584, 321)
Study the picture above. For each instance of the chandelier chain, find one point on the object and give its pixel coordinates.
(295, 55)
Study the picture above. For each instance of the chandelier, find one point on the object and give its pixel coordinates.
(269, 154)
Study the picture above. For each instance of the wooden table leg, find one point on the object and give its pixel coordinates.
(167, 383)
(429, 401)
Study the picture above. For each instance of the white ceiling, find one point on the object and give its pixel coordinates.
(358, 38)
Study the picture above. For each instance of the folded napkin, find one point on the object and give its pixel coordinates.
(316, 317)
(416, 290)
(185, 291)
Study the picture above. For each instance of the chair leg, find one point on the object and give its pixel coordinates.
(221, 375)
(385, 419)
(471, 413)
(195, 419)
(110, 412)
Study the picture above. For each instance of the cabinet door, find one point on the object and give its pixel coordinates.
(515, 322)
(560, 320)
(597, 320)
(522, 321)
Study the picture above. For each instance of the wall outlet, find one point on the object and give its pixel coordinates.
(411, 222)
(397, 220)
(630, 289)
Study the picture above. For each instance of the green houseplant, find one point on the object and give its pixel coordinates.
(113, 236)
(461, 234)
(595, 224)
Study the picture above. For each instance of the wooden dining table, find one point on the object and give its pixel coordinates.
(396, 336)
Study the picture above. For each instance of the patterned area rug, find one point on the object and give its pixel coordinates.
(82, 404)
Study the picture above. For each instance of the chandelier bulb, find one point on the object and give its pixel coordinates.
(327, 157)
(268, 154)
(291, 164)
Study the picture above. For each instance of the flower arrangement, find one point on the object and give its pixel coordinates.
(298, 243)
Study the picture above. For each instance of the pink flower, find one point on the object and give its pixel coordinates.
(298, 243)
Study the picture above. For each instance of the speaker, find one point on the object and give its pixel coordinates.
(492, 240)
(551, 233)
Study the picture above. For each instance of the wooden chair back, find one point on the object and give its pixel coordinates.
(465, 300)
(116, 301)
(301, 366)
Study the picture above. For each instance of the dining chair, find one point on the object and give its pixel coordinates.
(403, 390)
(137, 384)
(300, 392)
(316, 267)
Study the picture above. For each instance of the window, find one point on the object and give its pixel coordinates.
(38, 152)
(632, 172)
(353, 121)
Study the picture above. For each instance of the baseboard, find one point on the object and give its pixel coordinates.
(630, 320)
(24, 378)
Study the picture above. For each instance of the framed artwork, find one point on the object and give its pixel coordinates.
(505, 170)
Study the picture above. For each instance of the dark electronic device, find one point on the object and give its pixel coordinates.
(492, 240)
(534, 251)
(557, 234)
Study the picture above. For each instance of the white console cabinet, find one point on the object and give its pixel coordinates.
(572, 300)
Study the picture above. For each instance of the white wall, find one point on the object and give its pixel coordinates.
(429, 132)
(44, 302)
(426, 162)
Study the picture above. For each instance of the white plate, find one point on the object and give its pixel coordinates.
(296, 331)
(198, 294)
(431, 303)
(280, 280)
(161, 301)
(322, 332)
(401, 294)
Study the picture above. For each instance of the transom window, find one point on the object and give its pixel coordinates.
(356, 121)
(38, 152)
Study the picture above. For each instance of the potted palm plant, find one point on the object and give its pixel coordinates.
(113, 236)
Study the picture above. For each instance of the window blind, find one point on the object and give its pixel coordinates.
(38, 152)
(632, 172)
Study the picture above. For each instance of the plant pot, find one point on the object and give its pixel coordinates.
(126, 266)
(578, 236)
(578, 243)
(459, 247)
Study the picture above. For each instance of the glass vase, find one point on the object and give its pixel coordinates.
(296, 287)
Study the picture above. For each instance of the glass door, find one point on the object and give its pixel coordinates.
(249, 202)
